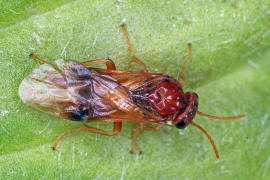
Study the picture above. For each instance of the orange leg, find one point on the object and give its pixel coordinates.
(181, 75)
(134, 138)
(117, 127)
(115, 132)
(132, 57)
(109, 63)
(139, 129)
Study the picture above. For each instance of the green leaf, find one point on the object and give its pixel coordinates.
(229, 69)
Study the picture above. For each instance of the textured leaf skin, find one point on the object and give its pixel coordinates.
(229, 70)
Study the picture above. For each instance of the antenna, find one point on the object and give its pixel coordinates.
(53, 65)
(220, 117)
(208, 136)
(214, 117)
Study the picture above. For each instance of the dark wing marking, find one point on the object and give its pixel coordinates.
(80, 93)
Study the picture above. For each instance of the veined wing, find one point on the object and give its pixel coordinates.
(67, 92)
(138, 85)
(75, 92)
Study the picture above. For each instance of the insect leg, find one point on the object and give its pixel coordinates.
(64, 134)
(140, 130)
(115, 132)
(117, 126)
(109, 63)
(181, 75)
(134, 138)
(132, 57)
(150, 128)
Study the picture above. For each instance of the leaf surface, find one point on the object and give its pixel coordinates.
(229, 69)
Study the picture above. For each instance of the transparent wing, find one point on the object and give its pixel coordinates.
(67, 92)
(138, 85)
(79, 93)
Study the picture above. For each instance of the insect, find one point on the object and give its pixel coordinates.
(76, 91)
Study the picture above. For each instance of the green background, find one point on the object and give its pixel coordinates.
(229, 69)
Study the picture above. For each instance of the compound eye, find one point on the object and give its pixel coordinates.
(187, 115)
(181, 124)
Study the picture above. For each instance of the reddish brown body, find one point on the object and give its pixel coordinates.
(76, 91)
(167, 98)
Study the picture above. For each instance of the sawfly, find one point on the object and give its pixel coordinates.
(76, 91)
